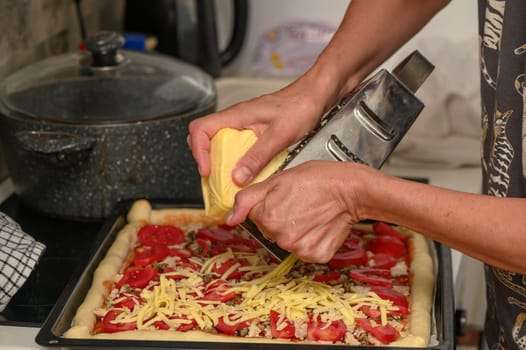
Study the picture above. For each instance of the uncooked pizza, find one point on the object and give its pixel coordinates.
(177, 274)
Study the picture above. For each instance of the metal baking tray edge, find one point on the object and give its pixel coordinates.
(59, 319)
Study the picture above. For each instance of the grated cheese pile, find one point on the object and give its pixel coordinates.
(293, 298)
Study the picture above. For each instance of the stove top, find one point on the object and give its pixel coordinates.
(68, 244)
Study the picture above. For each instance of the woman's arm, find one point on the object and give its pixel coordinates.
(370, 32)
(309, 210)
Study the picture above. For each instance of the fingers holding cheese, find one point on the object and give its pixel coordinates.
(226, 148)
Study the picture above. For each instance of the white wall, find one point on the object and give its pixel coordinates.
(457, 22)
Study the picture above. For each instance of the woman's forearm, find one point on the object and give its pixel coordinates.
(370, 32)
(487, 228)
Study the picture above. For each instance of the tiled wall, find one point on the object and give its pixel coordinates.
(31, 30)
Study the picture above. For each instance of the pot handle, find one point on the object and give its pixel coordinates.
(58, 148)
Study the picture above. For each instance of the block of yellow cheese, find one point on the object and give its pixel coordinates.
(226, 148)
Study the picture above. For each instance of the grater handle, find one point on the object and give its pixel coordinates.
(413, 70)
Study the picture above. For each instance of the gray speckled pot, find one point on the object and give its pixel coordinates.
(81, 171)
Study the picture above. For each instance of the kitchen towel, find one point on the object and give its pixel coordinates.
(19, 254)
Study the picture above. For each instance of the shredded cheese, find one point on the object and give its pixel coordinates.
(179, 297)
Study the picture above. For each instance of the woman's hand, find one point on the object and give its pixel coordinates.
(308, 209)
(279, 120)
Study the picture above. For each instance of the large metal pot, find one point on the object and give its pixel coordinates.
(85, 130)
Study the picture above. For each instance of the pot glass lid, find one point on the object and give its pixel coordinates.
(107, 85)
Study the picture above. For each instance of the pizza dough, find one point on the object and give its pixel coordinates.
(226, 148)
(421, 276)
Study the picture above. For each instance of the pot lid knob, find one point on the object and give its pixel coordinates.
(103, 47)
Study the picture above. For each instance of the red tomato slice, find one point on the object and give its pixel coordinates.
(248, 242)
(386, 334)
(225, 328)
(189, 265)
(216, 234)
(396, 297)
(226, 227)
(286, 333)
(180, 252)
(383, 261)
(352, 254)
(369, 311)
(161, 325)
(383, 229)
(243, 247)
(350, 243)
(224, 236)
(331, 276)
(138, 277)
(183, 327)
(226, 265)
(109, 327)
(128, 300)
(218, 248)
(151, 235)
(147, 255)
(205, 246)
(334, 332)
(217, 291)
(389, 245)
(358, 232)
(219, 296)
(373, 277)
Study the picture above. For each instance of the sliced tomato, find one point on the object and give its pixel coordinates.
(151, 235)
(396, 297)
(317, 330)
(137, 277)
(218, 248)
(180, 252)
(373, 277)
(183, 327)
(286, 332)
(161, 325)
(216, 234)
(172, 274)
(351, 254)
(386, 334)
(109, 327)
(389, 245)
(217, 291)
(189, 265)
(233, 329)
(358, 232)
(369, 311)
(226, 265)
(383, 261)
(128, 300)
(241, 241)
(383, 229)
(241, 247)
(223, 236)
(226, 227)
(147, 255)
(350, 242)
(205, 246)
(326, 277)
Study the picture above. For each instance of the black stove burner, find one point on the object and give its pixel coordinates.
(68, 244)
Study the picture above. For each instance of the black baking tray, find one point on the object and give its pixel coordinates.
(61, 315)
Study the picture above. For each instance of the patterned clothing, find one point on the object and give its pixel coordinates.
(502, 30)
